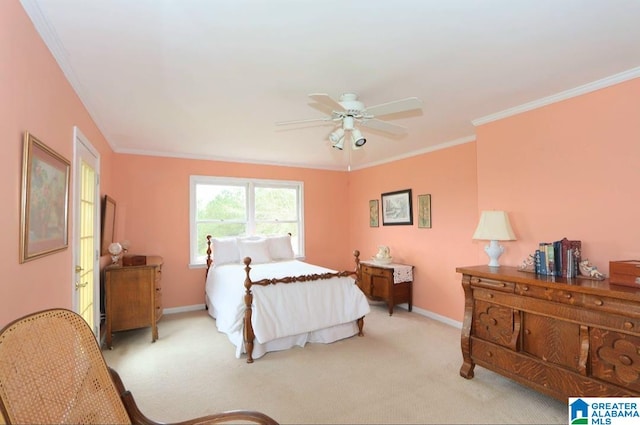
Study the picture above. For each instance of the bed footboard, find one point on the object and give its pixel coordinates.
(248, 334)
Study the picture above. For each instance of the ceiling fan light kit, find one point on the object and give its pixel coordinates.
(358, 139)
(349, 111)
(337, 138)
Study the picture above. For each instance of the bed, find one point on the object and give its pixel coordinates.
(265, 300)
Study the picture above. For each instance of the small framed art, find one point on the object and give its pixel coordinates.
(44, 218)
(424, 211)
(396, 208)
(374, 216)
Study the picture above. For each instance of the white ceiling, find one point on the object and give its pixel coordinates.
(209, 78)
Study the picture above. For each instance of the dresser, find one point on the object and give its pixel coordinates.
(563, 337)
(133, 297)
(392, 283)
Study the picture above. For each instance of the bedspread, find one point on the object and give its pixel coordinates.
(283, 309)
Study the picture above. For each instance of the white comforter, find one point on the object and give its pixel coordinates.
(286, 313)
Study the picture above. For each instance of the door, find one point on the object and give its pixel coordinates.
(86, 225)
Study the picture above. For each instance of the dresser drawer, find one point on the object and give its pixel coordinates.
(378, 271)
(497, 285)
(550, 294)
(590, 301)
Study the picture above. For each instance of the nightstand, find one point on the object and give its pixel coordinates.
(133, 296)
(392, 283)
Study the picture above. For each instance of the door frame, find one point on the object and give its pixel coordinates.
(79, 138)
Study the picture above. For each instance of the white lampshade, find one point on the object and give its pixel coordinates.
(494, 226)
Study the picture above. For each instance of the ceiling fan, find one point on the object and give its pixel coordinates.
(349, 111)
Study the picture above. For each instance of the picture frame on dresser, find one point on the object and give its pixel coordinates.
(396, 208)
(44, 218)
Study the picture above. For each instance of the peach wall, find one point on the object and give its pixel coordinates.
(449, 175)
(591, 142)
(568, 169)
(37, 98)
(152, 212)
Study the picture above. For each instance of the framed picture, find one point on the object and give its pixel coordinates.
(373, 213)
(424, 211)
(44, 218)
(396, 208)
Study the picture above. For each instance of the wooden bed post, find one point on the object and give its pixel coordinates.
(248, 300)
(360, 321)
(209, 259)
(206, 273)
(356, 255)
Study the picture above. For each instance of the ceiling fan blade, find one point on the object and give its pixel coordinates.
(303, 121)
(402, 105)
(325, 99)
(384, 126)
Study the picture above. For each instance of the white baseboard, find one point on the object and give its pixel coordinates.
(432, 315)
(183, 309)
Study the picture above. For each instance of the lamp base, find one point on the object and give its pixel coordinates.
(494, 251)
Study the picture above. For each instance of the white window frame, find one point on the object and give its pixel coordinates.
(196, 261)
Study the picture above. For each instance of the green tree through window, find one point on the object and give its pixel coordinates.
(225, 207)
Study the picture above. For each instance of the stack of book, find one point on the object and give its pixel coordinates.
(560, 258)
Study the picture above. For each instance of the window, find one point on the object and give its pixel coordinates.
(230, 207)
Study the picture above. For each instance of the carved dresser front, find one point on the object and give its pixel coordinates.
(564, 337)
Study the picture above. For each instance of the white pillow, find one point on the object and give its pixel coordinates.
(280, 247)
(225, 251)
(257, 249)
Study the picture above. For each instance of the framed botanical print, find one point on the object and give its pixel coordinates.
(424, 211)
(44, 218)
(373, 213)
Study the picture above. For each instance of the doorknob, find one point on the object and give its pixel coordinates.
(79, 269)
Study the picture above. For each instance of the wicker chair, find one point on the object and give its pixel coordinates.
(52, 371)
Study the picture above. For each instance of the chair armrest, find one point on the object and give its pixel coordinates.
(138, 418)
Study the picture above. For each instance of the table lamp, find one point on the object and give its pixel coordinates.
(494, 226)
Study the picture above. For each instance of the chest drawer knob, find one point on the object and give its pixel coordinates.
(625, 360)
(568, 296)
(527, 331)
(628, 325)
(525, 288)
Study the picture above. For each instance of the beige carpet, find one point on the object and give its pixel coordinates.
(403, 371)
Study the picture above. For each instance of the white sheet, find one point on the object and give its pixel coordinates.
(284, 315)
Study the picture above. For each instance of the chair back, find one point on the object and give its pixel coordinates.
(52, 372)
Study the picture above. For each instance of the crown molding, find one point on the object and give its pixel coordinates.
(440, 146)
(567, 94)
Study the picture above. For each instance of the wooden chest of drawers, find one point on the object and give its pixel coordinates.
(377, 283)
(563, 337)
(133, 296)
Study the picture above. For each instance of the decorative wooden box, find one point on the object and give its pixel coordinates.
(625, 272)
(134, 260)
